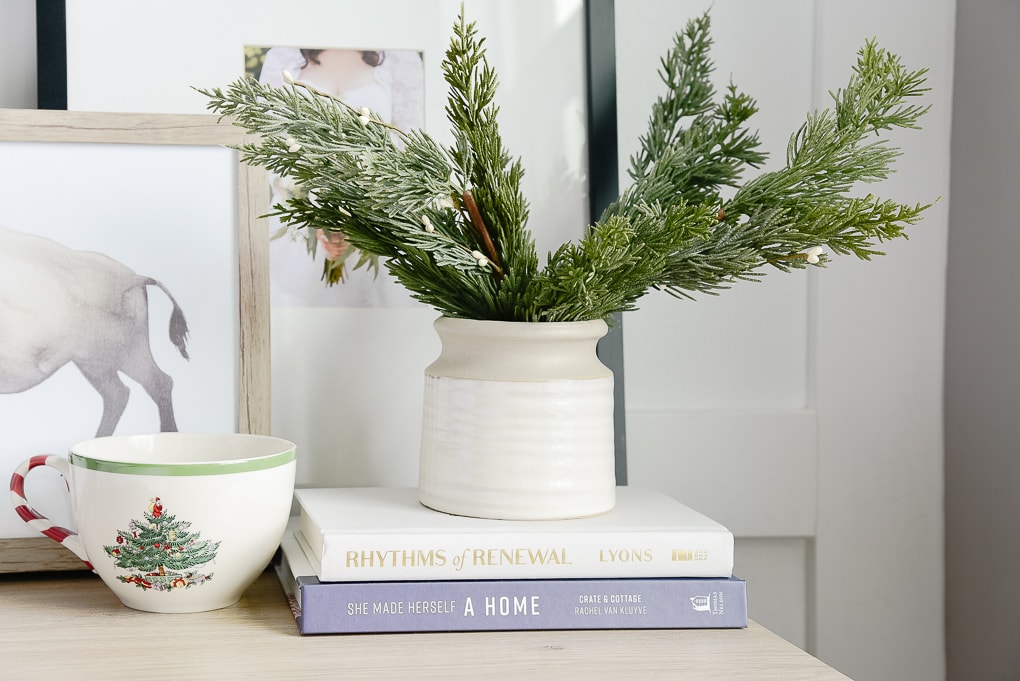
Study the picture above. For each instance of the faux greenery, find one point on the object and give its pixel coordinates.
(450, 222)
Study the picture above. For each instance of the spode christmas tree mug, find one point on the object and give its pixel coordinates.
(172, 522)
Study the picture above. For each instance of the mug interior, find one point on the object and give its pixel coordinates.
(182, 453)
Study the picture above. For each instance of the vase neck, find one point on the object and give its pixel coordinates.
(519, 351)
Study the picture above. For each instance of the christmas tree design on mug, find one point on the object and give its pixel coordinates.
(160, 551)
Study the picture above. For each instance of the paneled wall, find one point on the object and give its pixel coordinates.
(804, 412)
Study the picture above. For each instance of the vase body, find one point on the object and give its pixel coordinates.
(518, 421)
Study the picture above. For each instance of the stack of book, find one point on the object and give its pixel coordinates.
(372, 559)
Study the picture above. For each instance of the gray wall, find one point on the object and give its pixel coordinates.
(982, 342)
(17, 54)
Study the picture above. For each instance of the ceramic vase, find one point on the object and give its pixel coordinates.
(518, 421)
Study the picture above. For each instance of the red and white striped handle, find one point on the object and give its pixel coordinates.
(67, 538)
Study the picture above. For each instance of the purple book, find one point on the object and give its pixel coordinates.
(507, 605)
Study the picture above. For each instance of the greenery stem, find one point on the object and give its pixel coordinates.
(483, 233)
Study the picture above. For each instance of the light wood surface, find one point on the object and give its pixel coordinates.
(70, 626)
(34, 554)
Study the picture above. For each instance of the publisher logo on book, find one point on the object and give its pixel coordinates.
(687, 555)
(713, 603)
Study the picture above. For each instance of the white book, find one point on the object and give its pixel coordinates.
(291, 563)
(385, 534)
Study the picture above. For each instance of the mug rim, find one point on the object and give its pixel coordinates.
(284, 453)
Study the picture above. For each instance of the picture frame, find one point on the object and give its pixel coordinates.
(392, 83)
(83, 136)
(560, 55)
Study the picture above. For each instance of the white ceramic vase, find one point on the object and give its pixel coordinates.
(518, 421)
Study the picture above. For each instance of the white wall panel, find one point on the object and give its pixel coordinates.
(776, 570)
(746, 347)
(880, 357)
(807, 409)
(754, 470)
(719, 389)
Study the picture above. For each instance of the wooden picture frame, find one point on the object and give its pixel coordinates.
(188, 131)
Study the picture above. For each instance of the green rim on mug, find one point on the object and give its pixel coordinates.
(190, 468)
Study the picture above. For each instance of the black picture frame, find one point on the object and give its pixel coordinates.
(603, 182)
(603, 162)
(51, 54)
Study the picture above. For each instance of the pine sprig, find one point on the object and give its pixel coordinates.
(389, 200)
(450, 222)
(712, 150)
(830, 153)
(780, 218)
(486, 170)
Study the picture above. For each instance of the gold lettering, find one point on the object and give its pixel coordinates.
(544, 556)
(627, 555)
(514, 556)
(689, 554)
(402, 558)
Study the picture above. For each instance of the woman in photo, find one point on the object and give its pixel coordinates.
(391, 84)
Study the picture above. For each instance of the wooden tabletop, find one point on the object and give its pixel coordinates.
(70, 626)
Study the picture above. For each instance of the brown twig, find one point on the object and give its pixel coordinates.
(483, 233)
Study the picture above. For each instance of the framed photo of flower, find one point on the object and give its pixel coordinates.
(133, 295)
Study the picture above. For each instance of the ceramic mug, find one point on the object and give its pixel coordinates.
(172, 522)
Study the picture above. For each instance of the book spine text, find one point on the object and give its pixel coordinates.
(487, 605)
(525, 556)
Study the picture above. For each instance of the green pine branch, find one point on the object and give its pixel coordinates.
(782, 218)
(697, 159)
(450, 222)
